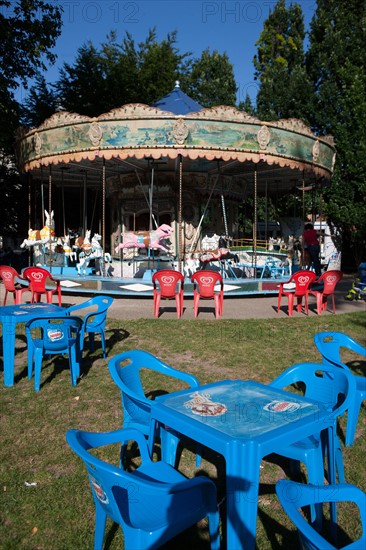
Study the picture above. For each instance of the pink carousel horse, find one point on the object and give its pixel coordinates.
(146, 239)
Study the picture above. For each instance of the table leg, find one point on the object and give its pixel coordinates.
(242, 479)
(9, 352)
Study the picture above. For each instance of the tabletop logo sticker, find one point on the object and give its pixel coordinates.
(281, 406)
(55, 334)
(99, 491)
(203, 405)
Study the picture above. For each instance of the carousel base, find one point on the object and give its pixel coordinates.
(143, 287)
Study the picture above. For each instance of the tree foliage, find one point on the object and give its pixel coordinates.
(121, 73)
(285, 90)
(211, 80)
(336, 63)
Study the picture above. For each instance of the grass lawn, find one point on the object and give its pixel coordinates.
(46, 500)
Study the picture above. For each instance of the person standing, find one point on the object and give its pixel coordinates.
(311, 243)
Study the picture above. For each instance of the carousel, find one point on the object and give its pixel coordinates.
(140, 188)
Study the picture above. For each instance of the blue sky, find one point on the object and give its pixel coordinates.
(231, 26)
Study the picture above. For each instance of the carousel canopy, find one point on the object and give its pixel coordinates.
(177, 102)
(220, 142)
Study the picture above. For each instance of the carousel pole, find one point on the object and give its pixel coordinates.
(49, 211)
(103, 216)
(255, 223)
(303, 217)
(180, 236)
(29, 210)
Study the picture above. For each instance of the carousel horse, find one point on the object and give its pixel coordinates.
(68, 250)
(146, 239)
(43, 236)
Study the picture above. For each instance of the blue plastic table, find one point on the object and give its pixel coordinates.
(244, 421)
(9, 317)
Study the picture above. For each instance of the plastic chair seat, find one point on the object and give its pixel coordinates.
(12, 283)
(329, 344)
(205, 282)
(302, 281)
(94, 322)
(152, 504)
(329, 279)
(125, 371)
(58, 336)
(38, 277)
(168, 285)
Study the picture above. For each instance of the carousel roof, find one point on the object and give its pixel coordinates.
(177, 102)
(219, 140)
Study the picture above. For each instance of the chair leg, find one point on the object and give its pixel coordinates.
(196, 301)
(104, 347)
(100, 523)
(217, 306)
(290, 304)
(333, 303)
(352, 417)
(279, 303)
(38, 356)
(319, 304)
(157, 305)
(177, 305)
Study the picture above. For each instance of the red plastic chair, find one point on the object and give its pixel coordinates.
(297, 286)
(204, 287)
(330, 279)
(9, 275)
(168, 285)
(38, 277)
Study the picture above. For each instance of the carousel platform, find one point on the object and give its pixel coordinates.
(134, 278)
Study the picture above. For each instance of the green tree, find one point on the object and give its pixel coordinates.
(81, 87)
(211, 80)
(122, 73)
(40, 103)
(285, 90)
(29, 29)
(336, 63)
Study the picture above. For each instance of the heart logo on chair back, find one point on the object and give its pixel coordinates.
(37, 276)
(303, 280)
(168, 279)
(331, 279)
(7, 276)
(207, 281)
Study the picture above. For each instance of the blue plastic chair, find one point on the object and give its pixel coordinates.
(294, 496)
(153, 503)
(94, 321)
(56, 336)
(333, 387)
(329, 344)
(125, 370)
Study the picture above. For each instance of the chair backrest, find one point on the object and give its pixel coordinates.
(329, 344)
(37, 277)
(100, 304)
(293, 496)
(206, 281)
(125, 370)
(8, 275)
(125, 497)
(133, 499)
(168, 280)
(303, 280)
(330, 279)
(58, 333)
(332, 386)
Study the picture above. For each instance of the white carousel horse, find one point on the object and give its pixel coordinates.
(43, 236)
(91, 251)
(146, 239)
(68, 250)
